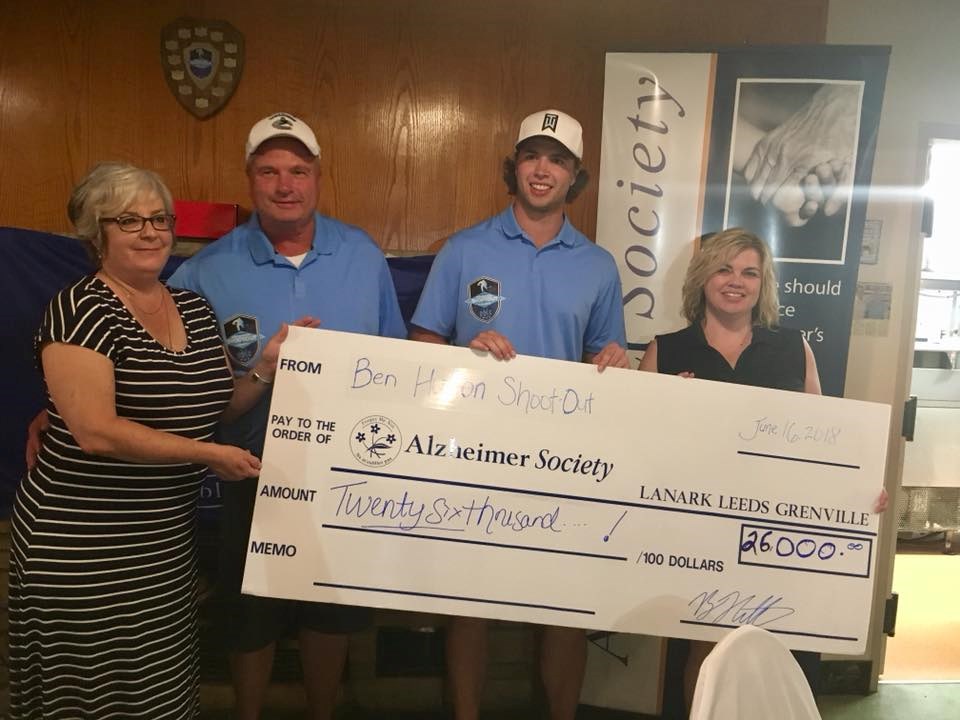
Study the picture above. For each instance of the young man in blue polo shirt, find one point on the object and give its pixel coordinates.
(526, 281)
(287, 262)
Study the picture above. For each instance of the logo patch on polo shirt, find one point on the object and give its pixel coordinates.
(484, 298)
(242, 335)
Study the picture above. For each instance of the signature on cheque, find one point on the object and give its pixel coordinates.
(716, 608)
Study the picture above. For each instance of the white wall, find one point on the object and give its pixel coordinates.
(923, 86)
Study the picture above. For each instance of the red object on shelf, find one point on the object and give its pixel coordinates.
(205, 220)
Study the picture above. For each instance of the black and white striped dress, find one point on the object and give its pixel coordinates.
(103, 594)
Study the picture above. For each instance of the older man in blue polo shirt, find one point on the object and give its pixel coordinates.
(288, 261)
(526, 281)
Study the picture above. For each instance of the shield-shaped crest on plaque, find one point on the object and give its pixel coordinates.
(202, 62)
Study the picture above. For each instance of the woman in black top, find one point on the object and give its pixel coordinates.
(730, 300)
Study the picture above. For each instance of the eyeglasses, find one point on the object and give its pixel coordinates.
(134, 223)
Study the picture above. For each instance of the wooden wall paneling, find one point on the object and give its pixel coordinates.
(384, 135)
(415, 102)
(41, 138)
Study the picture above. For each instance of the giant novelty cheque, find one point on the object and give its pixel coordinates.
(431, 478)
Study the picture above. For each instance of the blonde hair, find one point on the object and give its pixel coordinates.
(716, 251)
(106, 191)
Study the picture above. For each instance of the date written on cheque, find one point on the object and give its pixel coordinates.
(791, 431)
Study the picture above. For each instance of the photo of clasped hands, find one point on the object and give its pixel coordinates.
(803, 164)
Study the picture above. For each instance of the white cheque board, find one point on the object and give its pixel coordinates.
(432, 478)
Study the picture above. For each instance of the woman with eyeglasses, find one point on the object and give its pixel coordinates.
(103, 586)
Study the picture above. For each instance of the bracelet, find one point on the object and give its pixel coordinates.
(258, 378)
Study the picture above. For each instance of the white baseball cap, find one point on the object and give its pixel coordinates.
(282, 125)
(554, 124)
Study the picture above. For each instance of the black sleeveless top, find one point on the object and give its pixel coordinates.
(774, 358)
